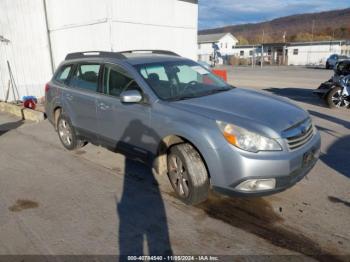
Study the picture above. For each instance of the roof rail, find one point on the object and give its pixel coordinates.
(118, 55)
(89, 54)
(159, 52)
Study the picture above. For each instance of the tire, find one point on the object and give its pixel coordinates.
(185, 165)
(332, 95)
(67, 134)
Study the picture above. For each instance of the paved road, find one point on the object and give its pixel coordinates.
(96, 202)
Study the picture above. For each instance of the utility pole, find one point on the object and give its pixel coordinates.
(284, 48)
(331, 46)
(262, 49)
(312, 39)
(48, 37)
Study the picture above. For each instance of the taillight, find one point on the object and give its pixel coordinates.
(47, 87)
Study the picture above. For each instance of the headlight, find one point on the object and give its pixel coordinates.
(247, 140)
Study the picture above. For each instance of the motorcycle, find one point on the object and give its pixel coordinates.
(336, 91)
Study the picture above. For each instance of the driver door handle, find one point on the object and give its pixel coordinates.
(69, 97)
(103, 106)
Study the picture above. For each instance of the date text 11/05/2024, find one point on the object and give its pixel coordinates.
(173, 258)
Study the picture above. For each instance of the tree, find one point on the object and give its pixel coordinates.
(242, 40)
(303, 37)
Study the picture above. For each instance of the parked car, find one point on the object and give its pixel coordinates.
(342, 68)
(177, 116)
(332, 90)
(334, 59)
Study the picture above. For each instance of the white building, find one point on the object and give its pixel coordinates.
(297, 53)
(314, 53)
(36, 35)
(225, 41)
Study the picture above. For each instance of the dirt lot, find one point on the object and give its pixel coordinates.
(96, 202)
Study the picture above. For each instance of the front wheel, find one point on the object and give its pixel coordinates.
(335, 98)
(188, 174)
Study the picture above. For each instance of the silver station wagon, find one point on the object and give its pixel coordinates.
(175, 115)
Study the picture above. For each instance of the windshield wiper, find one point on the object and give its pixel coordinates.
(178, 98)
(214, 91)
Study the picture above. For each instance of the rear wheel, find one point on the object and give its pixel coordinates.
(188, 174)
(335, 98)
(67, 134)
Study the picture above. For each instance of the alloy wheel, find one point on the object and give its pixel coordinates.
(65, 132)
(338, 99)
(178, 176)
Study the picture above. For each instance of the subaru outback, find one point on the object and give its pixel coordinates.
(175, 115)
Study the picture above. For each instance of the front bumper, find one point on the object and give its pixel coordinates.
(286, 167)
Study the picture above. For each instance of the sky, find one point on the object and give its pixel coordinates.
(217, 13)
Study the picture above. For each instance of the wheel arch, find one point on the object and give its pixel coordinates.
(56, 113)
(160, 162)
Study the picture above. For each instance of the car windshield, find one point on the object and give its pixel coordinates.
(180, 80)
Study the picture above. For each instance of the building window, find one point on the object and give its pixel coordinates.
(295, 51)
(221, 45)
(251, 52)
(241, 53)
(199, 46)
(226, 45)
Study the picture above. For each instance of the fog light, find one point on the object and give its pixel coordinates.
(257, 184)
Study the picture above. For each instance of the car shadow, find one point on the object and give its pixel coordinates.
(337, 156)
(330, 118)
(143, 227)
(303, 95)
(337, 200)
(318, 67)
(4, 128)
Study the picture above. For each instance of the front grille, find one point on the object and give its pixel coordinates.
(299, 135)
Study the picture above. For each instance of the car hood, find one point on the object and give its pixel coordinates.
(255, 108)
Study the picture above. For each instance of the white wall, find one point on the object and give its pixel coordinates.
(115, 25)
(83, 25)
(226, 43)
(311, 54)
(205, 50)
(23, 23)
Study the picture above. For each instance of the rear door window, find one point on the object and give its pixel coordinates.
(86, 77)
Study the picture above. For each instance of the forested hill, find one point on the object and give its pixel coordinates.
(324, 25)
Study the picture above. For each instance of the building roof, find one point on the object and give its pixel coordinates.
(211, 38)
(332, 42)
(275, 45)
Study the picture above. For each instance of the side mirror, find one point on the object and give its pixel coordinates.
(131, 96)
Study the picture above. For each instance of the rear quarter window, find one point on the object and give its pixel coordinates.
(63, 73)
